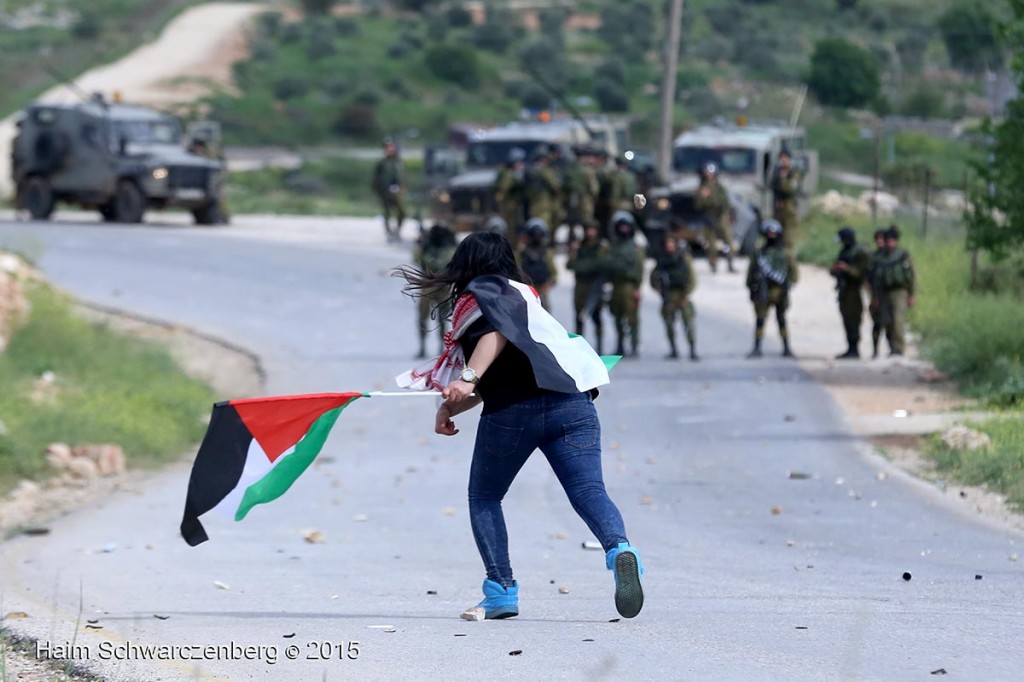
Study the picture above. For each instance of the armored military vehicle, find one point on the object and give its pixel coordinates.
(745, 156)
(467, 200)
(117, 159)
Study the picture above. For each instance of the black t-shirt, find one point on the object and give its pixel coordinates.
(510, 377)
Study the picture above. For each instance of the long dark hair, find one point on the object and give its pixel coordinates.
(480, 253)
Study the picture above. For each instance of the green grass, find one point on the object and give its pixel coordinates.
(27, 54)
(332, 186)
(1000, 467)
(110, 389)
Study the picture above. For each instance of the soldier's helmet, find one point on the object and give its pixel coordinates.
(709, 168)
(624, 224)
(516, 155)
(495, 224)
(441, 235)
(771, 228)
(535, 228)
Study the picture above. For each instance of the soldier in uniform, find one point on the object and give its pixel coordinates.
(626, 270)
(433, 251)
(873, 284)
(713, 202)
(604, 202)
(785, 186)
(675, 279)
(896, 280)
(772, 271)
(581, 192)
(509, 188)
(387, 183)
(850, 270)
(536, 261)
(589, 261)
(542, 188)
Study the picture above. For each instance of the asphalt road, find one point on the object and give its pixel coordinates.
(697, 457)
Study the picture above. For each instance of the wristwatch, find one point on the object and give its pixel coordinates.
(469, 376)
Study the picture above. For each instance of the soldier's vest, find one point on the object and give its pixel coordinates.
(536, 184)
(677, 272)
(434, 259)
(773, 266)
(535, 265)
(894, 271)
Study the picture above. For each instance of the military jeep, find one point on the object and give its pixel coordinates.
(115, 158)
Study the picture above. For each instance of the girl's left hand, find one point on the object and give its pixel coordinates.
(457, 391)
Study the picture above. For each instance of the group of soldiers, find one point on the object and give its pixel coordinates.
(555, 189)
(888, 276)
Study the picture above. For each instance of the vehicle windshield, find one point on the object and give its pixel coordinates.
(730, 160)
(162, 131)
(496, 153)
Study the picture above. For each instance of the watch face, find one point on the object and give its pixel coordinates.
(468, 375)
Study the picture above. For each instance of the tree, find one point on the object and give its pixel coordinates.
(995, 211)
(971, 34)
(843, 74)
(321, 7)
(454, 63)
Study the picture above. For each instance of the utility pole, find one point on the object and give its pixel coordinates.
(668, 88)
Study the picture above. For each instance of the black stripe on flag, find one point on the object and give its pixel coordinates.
(504, 307)
(217, 469)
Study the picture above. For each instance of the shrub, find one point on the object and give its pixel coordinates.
(458, 16)
(843, 74)
(290, 87)
(368, 97)
(357, 120)
(317, 7)
(347, 27)
(612, 70)
(611, 96)
(924, 102)
(291, 33)
(321, 42)
(454, 63)
(533, 96)
(437, 28)
(971, 34)
(269, 24)
(87, 27)
(493, 37)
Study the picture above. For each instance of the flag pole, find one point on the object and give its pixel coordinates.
(397, 394)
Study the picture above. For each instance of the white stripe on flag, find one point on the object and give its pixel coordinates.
(574, 355)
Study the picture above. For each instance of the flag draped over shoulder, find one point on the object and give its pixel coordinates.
(561, 361)
(254, 450)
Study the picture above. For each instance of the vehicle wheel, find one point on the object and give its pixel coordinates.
(129, 203)
(36, 196)
(208, 214)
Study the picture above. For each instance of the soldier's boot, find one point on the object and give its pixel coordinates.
(579, 326)
(786, 352)
(423, 347)
(876, 335)
(758, 335)
(673, 352)
(634, 342)
(851, 350)
(692, 341)
(732, 268)
(599, 337)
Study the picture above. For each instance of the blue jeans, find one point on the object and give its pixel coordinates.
(565, 428)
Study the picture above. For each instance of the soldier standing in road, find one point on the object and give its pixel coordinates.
(589, 261)
(713, 202)
(509, 188)
(626, 269)
(850, 269)
(785, 186)
(625, 187)
(536, 261)
(581, 193)
(433, 251)
(675, 278)
(897, 281)
(772, 272)
(387, 183)
(604, 202)
(873, 283)
(542, 188)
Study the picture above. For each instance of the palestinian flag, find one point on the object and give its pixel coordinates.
(254, 450)
(561, 361)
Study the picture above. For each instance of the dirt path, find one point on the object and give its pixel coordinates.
(196, 50)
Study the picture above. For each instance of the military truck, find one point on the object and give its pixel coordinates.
(745, 156)
(467, 199)
(117, 159)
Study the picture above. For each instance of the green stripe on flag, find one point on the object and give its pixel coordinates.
(290, 467)
(610, 361)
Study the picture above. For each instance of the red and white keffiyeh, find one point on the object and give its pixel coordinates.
(437, 373)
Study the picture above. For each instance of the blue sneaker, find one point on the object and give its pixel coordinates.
(500, 602)
(624, 562)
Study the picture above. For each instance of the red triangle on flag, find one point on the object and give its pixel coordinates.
(277, 423)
